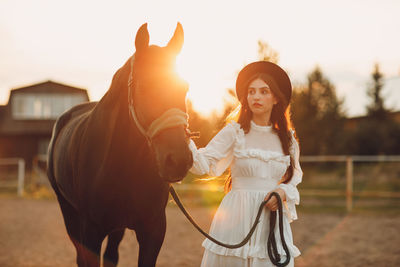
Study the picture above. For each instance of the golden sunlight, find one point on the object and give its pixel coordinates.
(206, 88)
(208, 76)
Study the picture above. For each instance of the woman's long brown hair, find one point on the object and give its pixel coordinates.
(281, 124)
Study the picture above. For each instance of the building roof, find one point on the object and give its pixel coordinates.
(353, 122)
(48, 87)
(11, 126)
(391, 93)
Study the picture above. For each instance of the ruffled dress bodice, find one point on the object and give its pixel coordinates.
(257, 165)
(258, 154)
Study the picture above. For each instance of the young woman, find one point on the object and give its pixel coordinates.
(263, 155)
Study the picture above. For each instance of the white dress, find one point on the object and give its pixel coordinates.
(257, 164)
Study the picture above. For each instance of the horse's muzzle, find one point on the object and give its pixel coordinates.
(174, 170)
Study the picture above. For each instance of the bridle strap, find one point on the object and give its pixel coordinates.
(171, 118)
(130, 102)
(137, 123)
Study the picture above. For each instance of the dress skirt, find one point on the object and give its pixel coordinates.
(232, 222)
(211, 259)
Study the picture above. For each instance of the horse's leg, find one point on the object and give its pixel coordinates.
(86, 237)
(90, 246)
(150, 238)
(110, 257)
(72, 224)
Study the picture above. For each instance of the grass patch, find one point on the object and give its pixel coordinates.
(200, 197)
(40, 192)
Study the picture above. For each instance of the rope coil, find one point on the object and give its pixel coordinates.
(271, 244)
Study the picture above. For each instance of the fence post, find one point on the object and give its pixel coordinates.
(349, 183)
(21, 177)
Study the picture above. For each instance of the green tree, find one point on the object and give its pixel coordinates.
(376, 108)
(318, 116)
(198, 123)
(267, 53)
(377, 133)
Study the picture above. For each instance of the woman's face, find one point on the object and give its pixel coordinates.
(260, 98)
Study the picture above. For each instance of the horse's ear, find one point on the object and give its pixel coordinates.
(176, 42)
(142, 38)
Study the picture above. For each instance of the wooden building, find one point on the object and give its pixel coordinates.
(354, 122)
(26, 122)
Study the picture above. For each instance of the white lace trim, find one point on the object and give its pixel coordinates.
(260, 127)
(262, 155)
(265, 155)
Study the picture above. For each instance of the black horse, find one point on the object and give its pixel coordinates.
(111, 162)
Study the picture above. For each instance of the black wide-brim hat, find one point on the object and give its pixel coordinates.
(277, 78)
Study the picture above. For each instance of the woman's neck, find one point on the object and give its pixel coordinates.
(262, 120)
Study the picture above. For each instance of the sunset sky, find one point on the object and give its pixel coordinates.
(82, 43)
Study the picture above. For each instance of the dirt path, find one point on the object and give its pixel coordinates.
(32, 233)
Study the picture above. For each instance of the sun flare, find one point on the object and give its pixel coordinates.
(206, 89)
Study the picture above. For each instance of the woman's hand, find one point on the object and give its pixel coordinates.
(272, 204)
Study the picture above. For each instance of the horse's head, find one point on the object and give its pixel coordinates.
(157, 97)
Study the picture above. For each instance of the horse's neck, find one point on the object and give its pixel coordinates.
(111, 114)
(113, 99)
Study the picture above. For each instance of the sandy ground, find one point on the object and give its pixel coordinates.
(32, 233)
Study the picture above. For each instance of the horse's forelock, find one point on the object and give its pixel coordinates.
(155, 55)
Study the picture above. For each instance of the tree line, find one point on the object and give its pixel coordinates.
(318, 116)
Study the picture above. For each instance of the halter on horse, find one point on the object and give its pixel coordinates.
(104, 172)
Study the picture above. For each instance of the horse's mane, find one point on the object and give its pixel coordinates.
(119, 84)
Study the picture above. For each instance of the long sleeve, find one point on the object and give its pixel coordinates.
(291, 191)
(217, 155)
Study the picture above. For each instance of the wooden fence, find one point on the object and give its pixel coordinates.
(21, 172)
(348, 160)
(349, 193)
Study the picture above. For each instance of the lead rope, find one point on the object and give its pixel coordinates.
(271, 245)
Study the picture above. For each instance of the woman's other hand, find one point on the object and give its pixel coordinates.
(272, 204)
